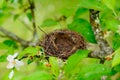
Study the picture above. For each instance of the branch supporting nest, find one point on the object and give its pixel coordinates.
(105, 49)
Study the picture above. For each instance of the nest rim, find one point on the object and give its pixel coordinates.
(62, 43)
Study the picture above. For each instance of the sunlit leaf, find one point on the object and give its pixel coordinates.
(29, 51)
(92, 4)
(54, 65)
(3, 16)
(110, 24)
(74, 60)
(116, 59)
(67, 12)
(109, 3)
(93, 71)
(80, 11)
(48, 23)
(83, 27)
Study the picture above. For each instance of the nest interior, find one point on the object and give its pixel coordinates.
(62, 43)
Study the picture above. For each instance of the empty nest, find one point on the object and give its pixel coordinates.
(62, 43)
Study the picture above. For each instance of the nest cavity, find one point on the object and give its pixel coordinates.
(62, 43)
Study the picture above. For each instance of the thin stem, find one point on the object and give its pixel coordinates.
(42, 30)
(115, 13)
(32, 6)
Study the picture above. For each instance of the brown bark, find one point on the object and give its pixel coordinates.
(105, 49)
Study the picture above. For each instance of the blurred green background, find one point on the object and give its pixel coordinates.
(49, 15)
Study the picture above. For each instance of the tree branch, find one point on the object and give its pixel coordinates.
(32, 6)
(105, 49)
(14, 37)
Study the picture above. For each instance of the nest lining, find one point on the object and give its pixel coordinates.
(62, 43)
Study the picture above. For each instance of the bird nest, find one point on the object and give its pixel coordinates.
(62, 43)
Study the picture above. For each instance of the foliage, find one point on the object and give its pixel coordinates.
(83, 27)
(16, 16)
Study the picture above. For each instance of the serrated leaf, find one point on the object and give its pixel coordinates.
(84, 28)
(54, 65)
(116, 59)
(38, 75)
(48, 23)
(29, 50)
(74, 60)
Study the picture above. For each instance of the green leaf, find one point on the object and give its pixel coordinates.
(92, 71)
(117, 68)
(109, 3)
(3, 46)
(92, 4)
(54, 65)
(8, 47)
(38, 75)
(84, 28)
(108, 24)
(74, 60)
(3, 58)
(116, 41)
(48, 23)
(29, 15)
(3, 16)
(80, 11)
(29, 61)
(67, 11)
(10, 43)
(29, 50)
(116, 59)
